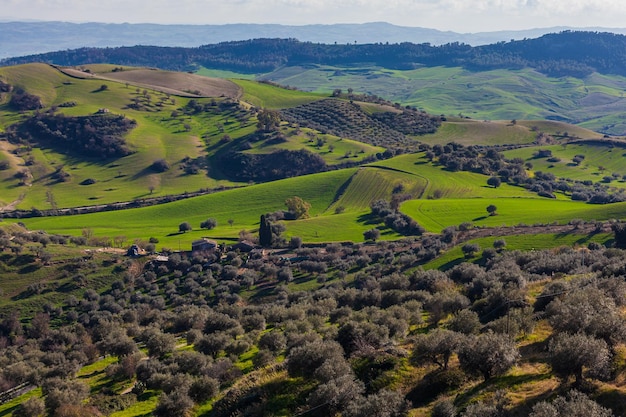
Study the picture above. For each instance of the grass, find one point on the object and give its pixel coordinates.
(243, 206)
(144, 407)
(446, 184)
(486, 95)
(462, 197)
(272, 97)
(157, 135)
(333, 149)
(521, 242)
(600, 161)
(473, 132)
(435, 215)
(9, 407)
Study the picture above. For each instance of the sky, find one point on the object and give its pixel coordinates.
(465, 16)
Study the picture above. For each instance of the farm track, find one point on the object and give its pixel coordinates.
(9, 211)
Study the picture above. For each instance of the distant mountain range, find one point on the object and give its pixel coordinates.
(27, 38)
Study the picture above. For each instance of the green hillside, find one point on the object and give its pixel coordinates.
(185, 120)
(502, 132)
(599, 161)
(478, 238)
(436, 215)
(594, 102)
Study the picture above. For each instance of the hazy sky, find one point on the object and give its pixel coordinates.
(455, 15)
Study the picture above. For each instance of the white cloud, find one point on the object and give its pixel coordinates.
(458, 15)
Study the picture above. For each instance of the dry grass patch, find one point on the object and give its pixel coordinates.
(180, 83)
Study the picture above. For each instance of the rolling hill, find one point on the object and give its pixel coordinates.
(541, 78)
(193, 124)
(198, 127)
(490, 235)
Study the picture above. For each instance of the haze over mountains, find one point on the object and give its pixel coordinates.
(25, 38)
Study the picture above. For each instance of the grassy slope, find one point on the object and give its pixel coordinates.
(435, 215)
(595, 102)
(162, 137)
(158, 135)
(243, 206)
(463, 197)
(272, 97)
(476, 132)
(334, 150)
(599, 161)
(521, 242)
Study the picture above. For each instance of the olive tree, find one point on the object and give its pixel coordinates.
(575, 404)
(489, 355)
(437, 346)
(572, 354)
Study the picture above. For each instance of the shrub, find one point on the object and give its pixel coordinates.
(160, 165)
(208, 224)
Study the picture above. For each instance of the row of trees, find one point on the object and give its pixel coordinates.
(554, 54)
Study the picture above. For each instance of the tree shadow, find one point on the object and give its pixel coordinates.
(451, 264)
(29, 269)
(144, 172)
(368, 219)
(614, 399)
(176, 233)
(434, 384)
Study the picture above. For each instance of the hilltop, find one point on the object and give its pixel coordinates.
(546, 78)
(558, 54)
(101, 134)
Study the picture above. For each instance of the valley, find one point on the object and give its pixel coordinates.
(362, 246)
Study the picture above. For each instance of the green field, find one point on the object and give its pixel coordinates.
(440, 198)
(156, 136)
(244, 206)
(599, 161)
(445, 184)
(340, 199)
(436, 215)
(595, 102)
(272, 97)
(520, 242)
(163, 131)
(334, 150)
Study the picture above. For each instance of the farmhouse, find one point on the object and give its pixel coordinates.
(203, 244)
(243, 246)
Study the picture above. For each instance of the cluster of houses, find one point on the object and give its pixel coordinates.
(203, 245)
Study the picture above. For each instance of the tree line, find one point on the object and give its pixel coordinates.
(568, 53)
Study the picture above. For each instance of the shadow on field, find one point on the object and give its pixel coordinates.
(368, 219)
(143, 173)
(176, 233)
(451, 264)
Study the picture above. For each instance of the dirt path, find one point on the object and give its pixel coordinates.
(12, 205)
(15, 162)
